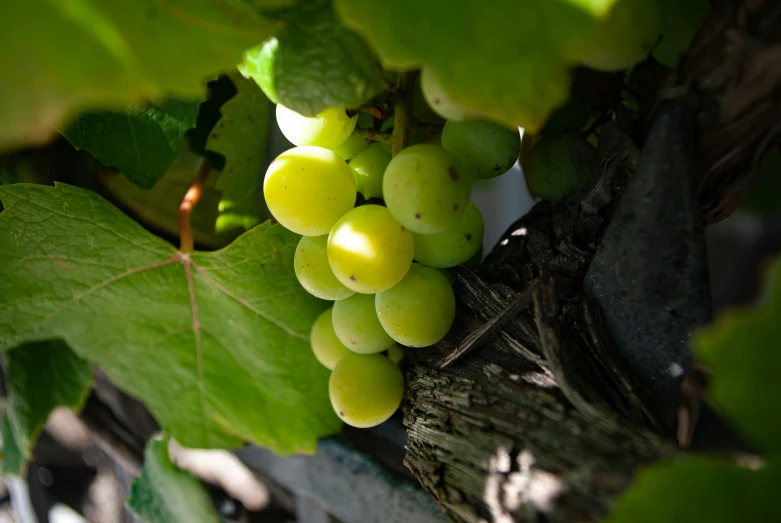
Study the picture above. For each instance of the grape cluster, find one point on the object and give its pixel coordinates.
(382, 262)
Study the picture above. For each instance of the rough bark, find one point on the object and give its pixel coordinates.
(543, 422)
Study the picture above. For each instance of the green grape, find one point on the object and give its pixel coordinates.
(396, 353)
(307, 189)
(365, 389)
(368, 167)
(354, 144)
(426, 188)
(331, 128)
(453, 246)
(357, 326)
(625, 37)
(420, 109)
(485, 148)
(419, 311)
(557, 166)
(570, 117)
(313, 272)
(326, 346)
(368, 250)
(443, 104)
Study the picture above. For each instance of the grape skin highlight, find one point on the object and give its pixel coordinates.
(420, 310)
(357, 326)
(365, 389)
(453, 246)
(486, 149)
(426, 188)
(368, 250)
(313, 272)
(326, 346)
(307, 189)
(330, 128)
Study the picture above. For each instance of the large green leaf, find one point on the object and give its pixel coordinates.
(314, 62)
(700, 490)
(240, 137)
(140, 142)
(64, 56)
(507, 59)
(166, 494)
(743, 351)
(39, 377)
(215, 344)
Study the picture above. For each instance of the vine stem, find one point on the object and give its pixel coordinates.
(186, 242)
(402, 116)
(372, 135)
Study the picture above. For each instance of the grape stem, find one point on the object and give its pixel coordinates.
(372, 135)
(186, 242)
(402, 122)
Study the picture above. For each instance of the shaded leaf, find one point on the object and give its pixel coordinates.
(40, 377)
(240, 137)
(215, 344)
(167, 494)
(761, 194)
(680, 24)
(62, 57)
(13, 461)
(742, 350)
(700, 489)
(314, 62)
(141, 142)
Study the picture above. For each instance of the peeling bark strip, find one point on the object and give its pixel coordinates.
(542, 422)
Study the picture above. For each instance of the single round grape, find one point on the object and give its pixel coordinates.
(426, 188)
(484, 148)
(368, 250)
(313, 272)
(330, 128)
(560, 165)
(396, 353)
(326, 346)
(442, 103)
(352, 146)
(453, 246)
(368, 167)
(625, 37)
(419, 310)
(365, 389)
(357, 326)
(308, 188)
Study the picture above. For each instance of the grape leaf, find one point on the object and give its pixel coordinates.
(39, 377)
(700, 489)
(240, 137)
(314, 62)
(761, 194)
(13, 461)
(742, 350)
(680, 24)
(61, 57)
(140, 142)
(508, 60)
(215, 344)
(167, 494)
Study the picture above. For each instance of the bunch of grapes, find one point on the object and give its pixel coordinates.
(382, 260)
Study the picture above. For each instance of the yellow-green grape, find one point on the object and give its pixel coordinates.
(368, 167)
(357, 326)
(396, 353)
(313, 272)
(485, 148)
(426, 188)
(326, 346)
(419, 311)
(352, 146)
(330, 128)
(365, 389)
(625, 37)
(368, 250)
(308, 188)
(453, 246)
(441, 102)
